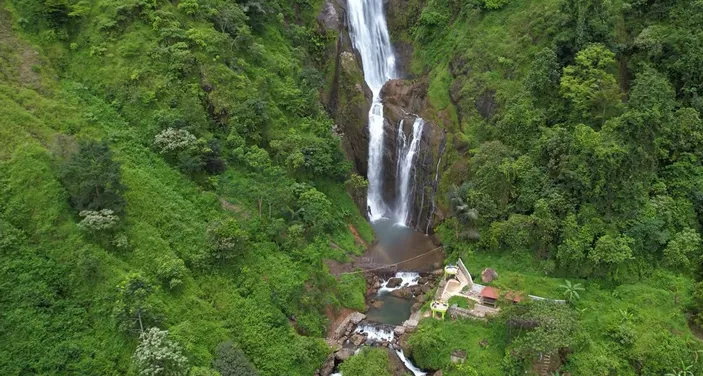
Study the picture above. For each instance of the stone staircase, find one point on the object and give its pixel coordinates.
(543, 365)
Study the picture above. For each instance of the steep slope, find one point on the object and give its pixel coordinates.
(221, 239)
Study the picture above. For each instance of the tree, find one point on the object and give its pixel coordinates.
(611, 249)
(102, 220)
(590, 87)
(231, 361)
(683, 251)
(92, 179)
(571, 290)
(316, 210)
(134, 309)
(173, 140)
(158, 355)
(227, 240)
(542, 80)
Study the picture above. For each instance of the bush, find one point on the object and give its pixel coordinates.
(231, 361)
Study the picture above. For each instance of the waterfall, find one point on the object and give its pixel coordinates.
(416, 371)
(369, 34)
(407, 149)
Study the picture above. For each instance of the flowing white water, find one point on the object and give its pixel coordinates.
(409, 279)
(376, 332)
(416, 371)
(369, 34)
(407, 150)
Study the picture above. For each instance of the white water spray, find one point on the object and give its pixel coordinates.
(407, 150)
(408, 279)
(369, 34)
(376, 332)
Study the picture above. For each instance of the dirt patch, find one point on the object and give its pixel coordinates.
(233, 208)
(357, 237)
(19, 62)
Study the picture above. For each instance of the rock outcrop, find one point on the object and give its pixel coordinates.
(403, 102)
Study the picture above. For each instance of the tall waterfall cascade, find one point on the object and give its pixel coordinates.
(369, 34)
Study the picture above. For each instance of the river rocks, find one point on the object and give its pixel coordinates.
(399, 331)
(404, 292)
(415, 307)
(347, 325)
(394, 282)
(357, 339)
(327, 366)
(344, 354)
(377, 303)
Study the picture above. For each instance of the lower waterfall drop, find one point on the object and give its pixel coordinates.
(407, 151)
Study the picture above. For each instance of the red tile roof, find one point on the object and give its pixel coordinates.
(489, 292)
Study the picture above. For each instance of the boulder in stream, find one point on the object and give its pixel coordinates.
(344, 354)
(394, 282)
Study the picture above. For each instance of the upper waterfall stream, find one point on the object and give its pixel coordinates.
(369, 34)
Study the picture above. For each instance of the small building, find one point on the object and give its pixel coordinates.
(489, 296)
(513, 296)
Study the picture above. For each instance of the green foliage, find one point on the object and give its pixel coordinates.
(368, 362)
(92, 178)
(135, 309)
(231, 361)
(543, 327)
(590, 87)
(571, 290)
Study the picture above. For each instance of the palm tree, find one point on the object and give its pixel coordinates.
(571, 290)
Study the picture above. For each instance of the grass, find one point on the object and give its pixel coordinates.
(461, 302)
(463, 335)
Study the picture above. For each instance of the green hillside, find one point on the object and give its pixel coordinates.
(577, 135)
(207, 113)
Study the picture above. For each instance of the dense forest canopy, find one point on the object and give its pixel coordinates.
(171, 184)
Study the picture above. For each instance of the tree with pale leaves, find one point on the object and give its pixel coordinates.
(158, 355)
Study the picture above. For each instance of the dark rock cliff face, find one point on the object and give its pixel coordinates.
(347, 97)
(404, 101)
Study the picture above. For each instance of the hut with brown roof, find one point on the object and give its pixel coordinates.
(489, 296)
(513, 296)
